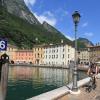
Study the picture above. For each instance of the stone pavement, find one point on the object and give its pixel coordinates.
(93, 95)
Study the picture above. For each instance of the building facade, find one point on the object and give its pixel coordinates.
(38, 54)
(83, 56)
(24, 56)
(59, 54)
(53, 54)
(94, 53)
(10, 51)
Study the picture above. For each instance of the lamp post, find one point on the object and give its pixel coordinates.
(76, 17)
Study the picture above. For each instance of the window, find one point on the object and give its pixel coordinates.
(63, 49)
(38, 54)
(56, 56)
(68, 55)
(52, 56)
(63, 63)
(46, 51)
(63, 55)
(68, 61)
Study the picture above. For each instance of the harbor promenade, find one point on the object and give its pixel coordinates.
(93, 95)
(64, 93)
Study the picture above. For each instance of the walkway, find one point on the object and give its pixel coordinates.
(93, 95)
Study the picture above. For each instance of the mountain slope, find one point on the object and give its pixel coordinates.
(18, 8)
(21, 33)
(49, 27)
(83, 43)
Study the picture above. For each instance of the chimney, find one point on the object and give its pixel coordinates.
(98, 43)
(62, 41)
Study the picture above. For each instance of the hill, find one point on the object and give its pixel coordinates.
(21, 31)
(83, 43)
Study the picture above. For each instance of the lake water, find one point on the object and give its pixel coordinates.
(26, 82)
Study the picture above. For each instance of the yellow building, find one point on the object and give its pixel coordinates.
(10, 51)
(38, 54)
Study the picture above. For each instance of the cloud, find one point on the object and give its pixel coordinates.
(46, 16)
(70, 38)
(62, 11)
(30, 2)
(85, 24)
(89, 34)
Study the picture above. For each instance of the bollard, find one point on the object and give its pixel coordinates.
(0, 68)
(4, 59)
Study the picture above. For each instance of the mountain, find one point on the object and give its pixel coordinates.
(49, 27)
(23, 29)
(83, 42)
(18, 8)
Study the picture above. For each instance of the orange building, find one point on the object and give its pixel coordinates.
(24, 56)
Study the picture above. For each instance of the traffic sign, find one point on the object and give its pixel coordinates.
(3, 44)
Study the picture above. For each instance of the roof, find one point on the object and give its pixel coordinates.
(51, 45)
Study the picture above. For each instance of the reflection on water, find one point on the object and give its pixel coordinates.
(26, 82)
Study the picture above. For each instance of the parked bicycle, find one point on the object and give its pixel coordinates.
(92, 84)
(92, 72)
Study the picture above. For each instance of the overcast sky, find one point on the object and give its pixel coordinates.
(58, 13)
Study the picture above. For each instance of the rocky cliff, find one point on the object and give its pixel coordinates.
(18, 8)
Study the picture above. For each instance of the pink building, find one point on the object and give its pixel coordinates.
(24, 56)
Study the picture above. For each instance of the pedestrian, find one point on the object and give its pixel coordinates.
(92, 69)
(92, 72)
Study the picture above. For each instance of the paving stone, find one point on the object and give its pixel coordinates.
(93, 95)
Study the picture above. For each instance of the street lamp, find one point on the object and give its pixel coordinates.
(76, 17)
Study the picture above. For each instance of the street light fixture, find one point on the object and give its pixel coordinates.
(76, 17)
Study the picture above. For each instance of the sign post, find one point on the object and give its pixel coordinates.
(3, 44)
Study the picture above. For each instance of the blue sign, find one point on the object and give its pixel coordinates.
(3, 44)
